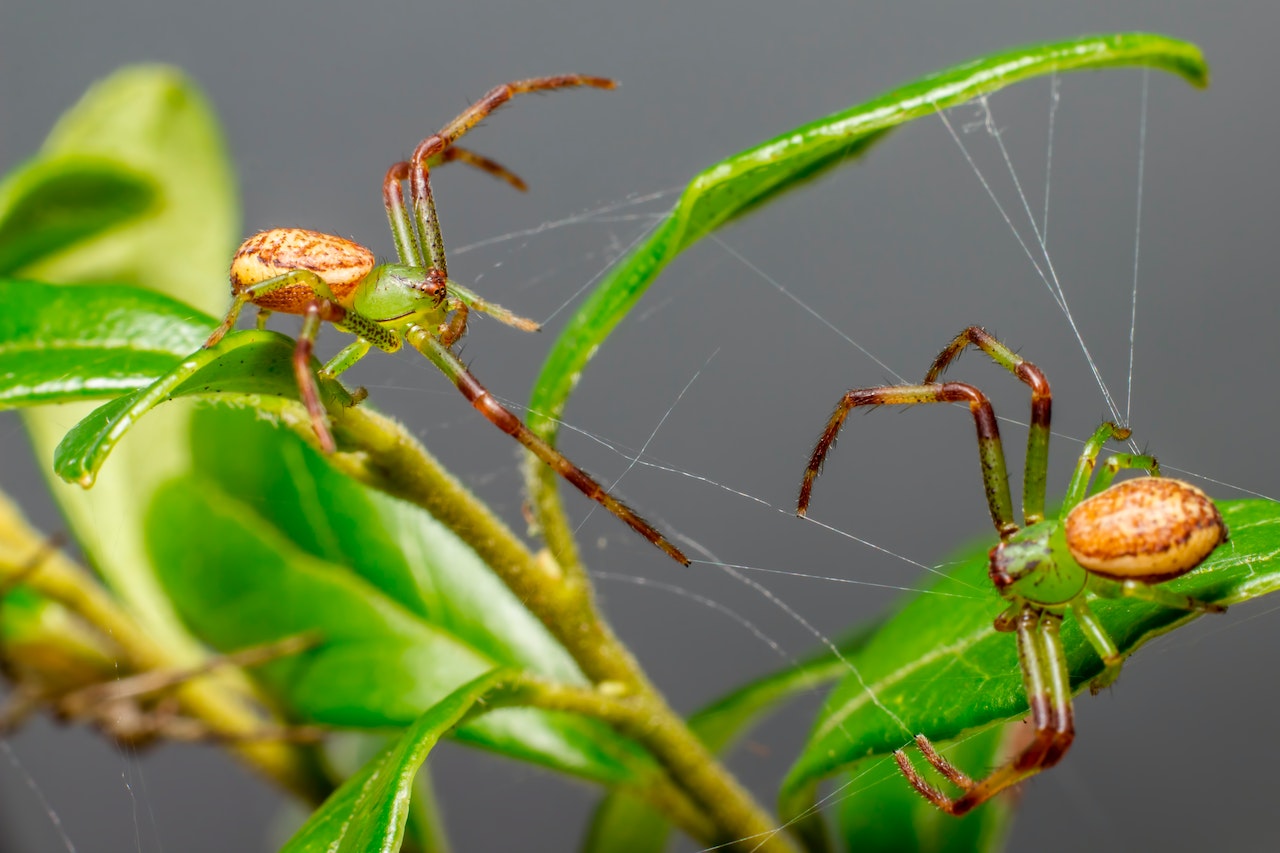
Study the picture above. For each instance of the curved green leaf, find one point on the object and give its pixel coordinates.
(750, 178)
(368, 813)
(61, 343)
(51, 204)
(249, 368)
(940, 668)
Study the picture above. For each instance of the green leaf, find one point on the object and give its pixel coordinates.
(744, 181)
(625, 822)
(394, 546)
(51, 204)
(396, 636)
(249, 368)
(61, 343)
(152, 122)
(367, 814)
(940, 668)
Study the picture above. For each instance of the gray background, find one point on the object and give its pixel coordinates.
(897, 253)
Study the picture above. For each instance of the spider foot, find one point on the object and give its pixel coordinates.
(1108, 676)
(952, 773)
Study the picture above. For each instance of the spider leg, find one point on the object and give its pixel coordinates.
(256, 291)
(1036, 470)
(410, 250)
(1101, 642)
(995, 477)
(1044, 677)
(442, 357)
(424, 205)
(484, 164)
(461, 297)
(1118, 462)
(1079, 485)
(1143, 591)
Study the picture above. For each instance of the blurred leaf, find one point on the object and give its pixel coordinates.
(151, 122)
(51, 204)
(939, 667)
(60, 343)
(367, 814)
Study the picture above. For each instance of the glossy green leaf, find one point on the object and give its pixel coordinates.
(152, 122)
(744, 181)
(396, 638)
(396, 547)
(624, 822)
(249, 368)
(938, 667)
(367, 814)
(51, 204)
(61, 343)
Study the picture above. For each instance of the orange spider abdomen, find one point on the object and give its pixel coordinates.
(341, 263)
(1150, 529)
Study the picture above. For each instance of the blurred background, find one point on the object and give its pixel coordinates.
(895, 254)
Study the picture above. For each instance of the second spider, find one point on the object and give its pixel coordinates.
(1108, 541)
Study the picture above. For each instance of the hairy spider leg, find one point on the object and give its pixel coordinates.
(1044, 678)
(484, 164)
(420, 181)
(995, 477)
(444, 358)
(1036, 470)
(409, 239)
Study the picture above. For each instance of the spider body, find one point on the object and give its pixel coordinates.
(330, 279)
(1110, 541)
(342, 265)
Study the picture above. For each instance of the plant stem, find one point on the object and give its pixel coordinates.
(57, 578)
(391, 460)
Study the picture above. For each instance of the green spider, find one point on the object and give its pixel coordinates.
(331, 279)
(1109, 541)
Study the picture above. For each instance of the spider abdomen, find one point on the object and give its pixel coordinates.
(340, 263)
(1150, 528)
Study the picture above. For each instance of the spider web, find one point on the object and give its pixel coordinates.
(767, 596)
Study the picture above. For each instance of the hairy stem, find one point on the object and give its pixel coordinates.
(390, 459)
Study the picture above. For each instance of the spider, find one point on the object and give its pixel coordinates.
(326, 278)
(1110, 541)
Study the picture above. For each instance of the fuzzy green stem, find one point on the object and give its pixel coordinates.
(390, 459)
